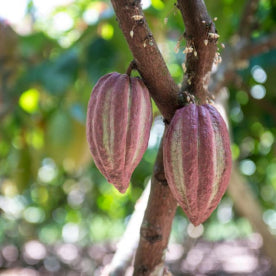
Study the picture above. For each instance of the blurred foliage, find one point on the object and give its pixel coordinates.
(50, 187)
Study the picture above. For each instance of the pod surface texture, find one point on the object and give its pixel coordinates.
(197, 159)
(118, 123)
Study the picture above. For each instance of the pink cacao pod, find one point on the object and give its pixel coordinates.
(197, 159)
(119, 119)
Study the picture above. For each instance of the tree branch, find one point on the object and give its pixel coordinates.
(201, 36)
(247, 205)
(148, 58)
(161, 208)
(257, 47)
(248, 19)
(156, 226)
(236, 57)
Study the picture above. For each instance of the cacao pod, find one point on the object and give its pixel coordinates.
(119, 119)
(197, 159)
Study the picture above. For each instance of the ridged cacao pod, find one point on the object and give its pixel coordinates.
(197, 159)
(119, 119)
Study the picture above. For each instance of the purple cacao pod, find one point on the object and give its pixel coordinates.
(197, 159)
(118, 123)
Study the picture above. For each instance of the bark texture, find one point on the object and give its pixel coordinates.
(148, 59)
(156, 226)
(201, 36)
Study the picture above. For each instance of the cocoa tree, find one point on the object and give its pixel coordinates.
(59, 72)
(200, 34)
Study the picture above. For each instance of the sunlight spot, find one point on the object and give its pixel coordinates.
(269, 218)
(75, 198)
(195, 231)
(29, 100)
(34, 215)
(70, 232)
(106, 31)
(225, 211)
(241, 263)
(157, 4)
(12, 14)
(67, 252)
(156, 133)
(35, 250)
(146, 4)
(91, 16)
(259, 74)
(12, 207)
(48, 171)
(44, 8)
(63, 21)
(247, 167)
(258, 91)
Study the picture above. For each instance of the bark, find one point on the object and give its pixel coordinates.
(201, 36)
(147, 57)
(156, 226)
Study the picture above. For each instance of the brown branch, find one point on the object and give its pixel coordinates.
(248, 18)
(160, 211)
(235, 57)
(201, 35)
(243, 50)
(257, 47)
(147, 56)
(161, 208)
(156, 226)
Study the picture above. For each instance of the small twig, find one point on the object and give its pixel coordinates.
(248, 18)
(234, 56)
(131, 67)
(258, 46)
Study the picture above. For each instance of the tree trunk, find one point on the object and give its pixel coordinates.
(247, 206)
(156, 226)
